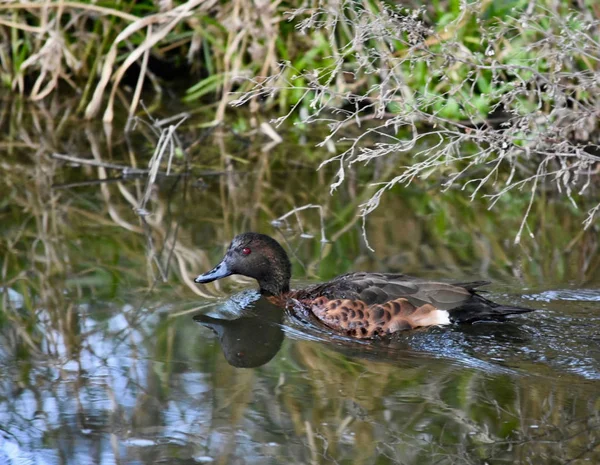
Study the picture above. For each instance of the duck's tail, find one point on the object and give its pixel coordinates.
(480, 309)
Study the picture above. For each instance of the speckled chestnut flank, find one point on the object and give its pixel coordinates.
(360, 305)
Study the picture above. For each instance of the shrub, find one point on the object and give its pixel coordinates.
(487, 97)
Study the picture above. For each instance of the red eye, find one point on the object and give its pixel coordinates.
(246, 251)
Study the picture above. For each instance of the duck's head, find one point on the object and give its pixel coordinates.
(257, 256)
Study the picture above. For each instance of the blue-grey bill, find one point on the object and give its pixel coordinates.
(218, 272)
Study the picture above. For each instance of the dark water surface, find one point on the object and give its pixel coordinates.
(109, 354)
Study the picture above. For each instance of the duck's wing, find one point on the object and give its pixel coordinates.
(379, 288)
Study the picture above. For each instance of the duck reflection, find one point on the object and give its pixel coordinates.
(254, 337)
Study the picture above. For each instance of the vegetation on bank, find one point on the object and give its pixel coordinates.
(486, 96)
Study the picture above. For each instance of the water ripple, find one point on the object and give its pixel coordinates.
(577, 295)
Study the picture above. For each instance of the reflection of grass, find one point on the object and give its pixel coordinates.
(362, 409)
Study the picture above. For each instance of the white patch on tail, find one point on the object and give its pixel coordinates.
(441, 317)
(431, 317)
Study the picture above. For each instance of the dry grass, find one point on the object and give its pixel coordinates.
(91, 47)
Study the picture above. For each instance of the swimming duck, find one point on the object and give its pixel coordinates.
(360, 305)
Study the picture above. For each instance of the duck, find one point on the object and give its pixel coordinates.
(361, 305)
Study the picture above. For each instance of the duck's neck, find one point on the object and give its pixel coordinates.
(276, 281)
(274, 289)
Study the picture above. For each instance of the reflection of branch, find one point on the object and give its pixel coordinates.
(69, 185)
(86, 161)
(127, 170)
(151, 251)
(282, 219)
(168, 139)
(556, 435)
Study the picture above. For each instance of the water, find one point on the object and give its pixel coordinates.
(110, 354)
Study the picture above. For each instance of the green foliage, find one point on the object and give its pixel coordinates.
(234, 41)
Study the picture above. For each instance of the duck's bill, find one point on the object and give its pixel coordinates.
(218, 272)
